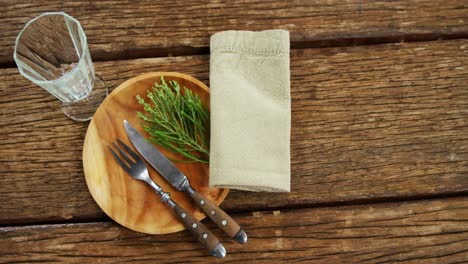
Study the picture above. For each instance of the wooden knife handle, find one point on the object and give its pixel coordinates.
(199, 231)
(221, 218)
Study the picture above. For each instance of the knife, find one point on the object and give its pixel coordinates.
(177, 179)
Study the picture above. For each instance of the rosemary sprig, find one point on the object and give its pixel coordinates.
(176, 120)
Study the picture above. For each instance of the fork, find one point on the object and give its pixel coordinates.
(136, 167)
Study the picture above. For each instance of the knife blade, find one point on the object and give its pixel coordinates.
(177, 179)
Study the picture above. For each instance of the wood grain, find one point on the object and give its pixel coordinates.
(129, 202)
(368, 123)
(130, 29)
(432, 232)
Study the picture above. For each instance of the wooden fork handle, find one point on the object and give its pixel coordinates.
(200, 232)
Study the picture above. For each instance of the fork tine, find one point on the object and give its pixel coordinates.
(123, 154)
(130, 151)
(119, 160)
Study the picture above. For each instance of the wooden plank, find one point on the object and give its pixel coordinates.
(368, 123)
(431, 231)
(130, 29)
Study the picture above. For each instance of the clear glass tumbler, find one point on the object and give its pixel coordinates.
(52, 52)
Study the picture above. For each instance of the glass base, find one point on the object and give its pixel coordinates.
(84, 109)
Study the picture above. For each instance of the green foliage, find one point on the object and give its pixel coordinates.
(176, 120)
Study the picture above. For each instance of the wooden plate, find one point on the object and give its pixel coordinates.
(129, 202)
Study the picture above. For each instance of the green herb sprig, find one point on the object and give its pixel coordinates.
(176, 120)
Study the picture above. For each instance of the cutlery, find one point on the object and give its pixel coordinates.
(177, 179)
(136, 167)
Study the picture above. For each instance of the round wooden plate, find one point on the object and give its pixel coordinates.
(130, 202)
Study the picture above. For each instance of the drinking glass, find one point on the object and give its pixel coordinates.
(51, 51)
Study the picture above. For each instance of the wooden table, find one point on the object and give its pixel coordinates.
(379, 133)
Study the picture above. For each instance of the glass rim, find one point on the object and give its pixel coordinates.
(83, 41)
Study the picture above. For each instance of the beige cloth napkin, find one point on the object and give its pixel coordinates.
(250, 110)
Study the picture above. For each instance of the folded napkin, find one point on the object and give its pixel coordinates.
(250, 110)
